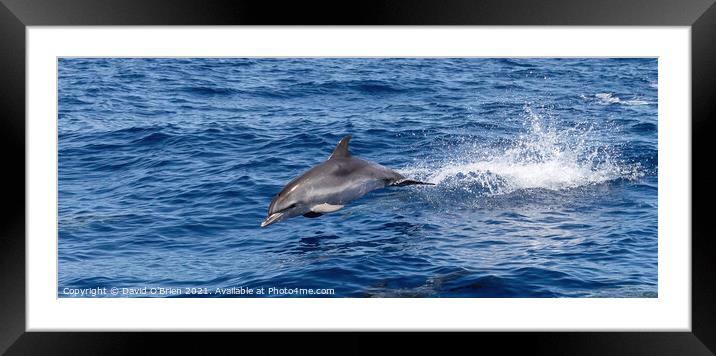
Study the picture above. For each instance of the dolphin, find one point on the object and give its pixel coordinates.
(329, 186)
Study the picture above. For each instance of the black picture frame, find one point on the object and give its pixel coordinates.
(15, 15)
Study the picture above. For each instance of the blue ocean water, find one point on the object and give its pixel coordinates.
(545, 173)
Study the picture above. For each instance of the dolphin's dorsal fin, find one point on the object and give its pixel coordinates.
(341, 149)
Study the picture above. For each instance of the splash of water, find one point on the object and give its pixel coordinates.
(608, 98)
(543, 157)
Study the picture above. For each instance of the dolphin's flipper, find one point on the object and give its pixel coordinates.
(404, 182)
(341, 150)
(312, 214)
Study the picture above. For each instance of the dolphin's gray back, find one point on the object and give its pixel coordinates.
(342, 179)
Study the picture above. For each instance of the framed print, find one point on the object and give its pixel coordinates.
(496, 173)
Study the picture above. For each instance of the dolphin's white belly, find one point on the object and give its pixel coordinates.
(325, 208)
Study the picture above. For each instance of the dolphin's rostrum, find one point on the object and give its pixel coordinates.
(328, 186)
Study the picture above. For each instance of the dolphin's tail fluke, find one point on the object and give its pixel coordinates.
(406, 181)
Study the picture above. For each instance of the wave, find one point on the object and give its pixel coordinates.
(517, 62)
(303, 89)
(541, 158)
(368, 87)
(208, 90)
(152, 138)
